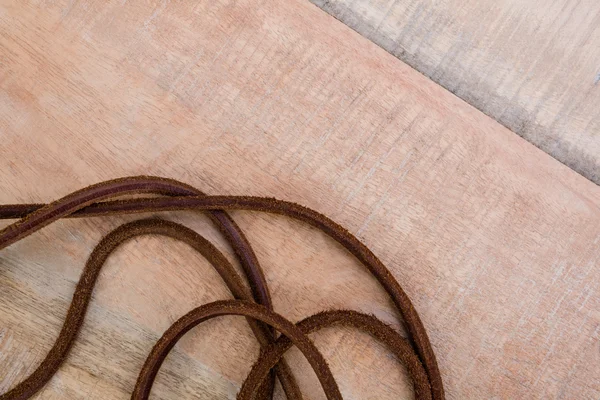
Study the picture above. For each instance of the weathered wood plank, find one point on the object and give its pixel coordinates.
(531, 65)
(496, 242)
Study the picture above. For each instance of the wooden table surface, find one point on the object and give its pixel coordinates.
(497, 243)
(532, 65)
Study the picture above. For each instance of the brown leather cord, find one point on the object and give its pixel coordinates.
(46, 214)
(148, 184)
(233, 307)
(83, 293)
(364, 322)
(88, 202)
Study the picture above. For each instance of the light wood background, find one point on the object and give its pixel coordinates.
(532, 65)
(497, 243)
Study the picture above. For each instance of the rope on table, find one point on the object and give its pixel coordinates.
(255, 304)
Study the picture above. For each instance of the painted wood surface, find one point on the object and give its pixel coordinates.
(532, 65)
(497, 244)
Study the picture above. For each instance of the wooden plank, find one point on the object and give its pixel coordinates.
(531, 65)
(496, 242)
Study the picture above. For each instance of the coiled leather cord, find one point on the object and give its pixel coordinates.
(97, 200)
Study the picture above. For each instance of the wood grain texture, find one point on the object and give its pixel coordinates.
(534, 66)
(497, 244)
